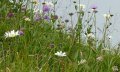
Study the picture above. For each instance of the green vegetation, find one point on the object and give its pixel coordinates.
(37, 40)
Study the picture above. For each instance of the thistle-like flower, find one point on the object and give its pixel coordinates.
(60, 54)
(94, 7)
(11, 34)
(46, 17)
(36, 16)
(21, 32)
(47, 6)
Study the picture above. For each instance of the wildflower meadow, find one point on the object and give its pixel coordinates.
(35, 38)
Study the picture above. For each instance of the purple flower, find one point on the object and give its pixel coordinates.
(37, 16)
(47, 17)
(10, 14)
(94, 6)
(46, 8)
(20, 32)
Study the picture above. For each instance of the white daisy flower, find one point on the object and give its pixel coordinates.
(11, 34)
(60, 53)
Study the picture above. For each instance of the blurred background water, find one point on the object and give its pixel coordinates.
(64, 7)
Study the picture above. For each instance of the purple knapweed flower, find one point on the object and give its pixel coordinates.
(94, 6)
(37, 16)
(47, 17)
(21, 32)
(46, 8)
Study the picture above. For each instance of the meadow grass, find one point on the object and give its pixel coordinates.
(34, 50)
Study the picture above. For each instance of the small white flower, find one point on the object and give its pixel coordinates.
(100, 58)
(82, 61)
(90, 35)
(115, 68)
(11, 34)
(108, 16)
(82, 6)
(27, 19)
(60, 53)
